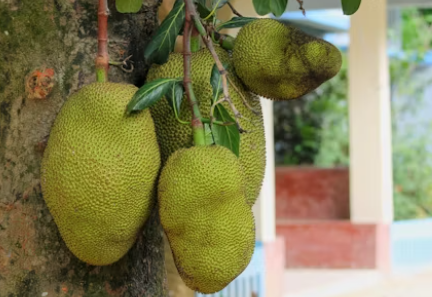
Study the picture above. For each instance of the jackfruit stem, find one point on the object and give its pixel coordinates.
(226, 41)
(195, 40)
(197, 126)
(102, 59)
(198, 26)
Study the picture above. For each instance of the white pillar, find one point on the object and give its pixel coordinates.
(371, 182)
(264, 208)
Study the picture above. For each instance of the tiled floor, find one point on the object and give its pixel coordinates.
(414, 285)
(356, 283)
(327, 283)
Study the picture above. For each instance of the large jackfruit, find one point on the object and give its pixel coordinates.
(173, 135)
(203, 211)
(99, 172)
(281, 62)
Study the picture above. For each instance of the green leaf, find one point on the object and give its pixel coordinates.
(162, 44)
(203, 10)
(201, 2)
(227, 136)
(278, 7)
(236, 22)
(128, 6)
(209, 140)
(175, 96)
(349, 7)
(149, 94)
(216, 82)
(262, 7)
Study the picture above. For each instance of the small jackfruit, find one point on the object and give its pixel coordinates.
(99, 172)
(203, 210)
(173, 135)
(281, 62)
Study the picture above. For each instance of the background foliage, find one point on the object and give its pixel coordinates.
(314, 130)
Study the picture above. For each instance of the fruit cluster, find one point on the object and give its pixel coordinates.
(102, 168)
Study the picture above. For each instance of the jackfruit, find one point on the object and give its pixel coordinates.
(99, 172)
(282, 62)
(203, 211)
(173, 135)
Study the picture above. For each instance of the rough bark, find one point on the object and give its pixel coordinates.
(47, 52)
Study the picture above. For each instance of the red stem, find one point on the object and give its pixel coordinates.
(187, 82)
(102, 59)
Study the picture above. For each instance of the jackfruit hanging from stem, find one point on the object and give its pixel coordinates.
(281, 62)
(99, 172)
(173, 135)
(203, 210)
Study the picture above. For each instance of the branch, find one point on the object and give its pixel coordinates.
(123, 64)
(233, 10)
(221, 68)
(224, 75)
(301, 2)
(102, 59)
(197, 125)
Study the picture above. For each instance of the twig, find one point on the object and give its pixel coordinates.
(197, 125)
(301, 2)
(222, 71)
(234, 10)
(102, 59)
(123, 64)
(243, 98)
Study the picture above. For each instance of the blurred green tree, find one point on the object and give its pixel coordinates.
(314, 129)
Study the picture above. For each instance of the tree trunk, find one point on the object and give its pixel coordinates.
(47, 52)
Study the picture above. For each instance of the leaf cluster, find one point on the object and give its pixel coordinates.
(262, 7)
(278, 7)
(220, 128)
